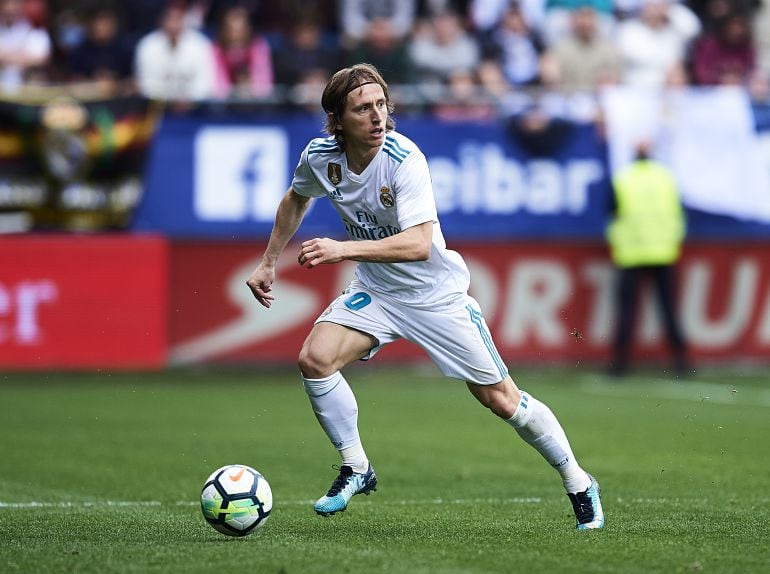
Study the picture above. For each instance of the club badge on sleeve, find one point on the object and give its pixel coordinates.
(334, 173)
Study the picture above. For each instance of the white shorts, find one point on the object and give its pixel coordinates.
(457, 339)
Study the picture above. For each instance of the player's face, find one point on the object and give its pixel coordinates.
(363, 121)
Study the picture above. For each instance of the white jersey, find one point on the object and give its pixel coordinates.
(393, 193)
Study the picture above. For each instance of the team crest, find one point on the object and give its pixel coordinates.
(386, 197)
(334, 173)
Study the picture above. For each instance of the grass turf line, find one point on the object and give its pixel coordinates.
(684, 483)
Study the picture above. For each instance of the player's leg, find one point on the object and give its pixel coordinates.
(327, 349)
(470, 355)
(353, 327)
(538, 426)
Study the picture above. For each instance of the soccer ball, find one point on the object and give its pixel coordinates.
(236, 500)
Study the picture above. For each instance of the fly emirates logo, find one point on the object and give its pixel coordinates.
(367, 227)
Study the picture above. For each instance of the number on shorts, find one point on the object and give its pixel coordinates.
(358, 301)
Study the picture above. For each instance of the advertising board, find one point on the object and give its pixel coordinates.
(83, 302)
(543, 302)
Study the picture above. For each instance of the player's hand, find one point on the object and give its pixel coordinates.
(260, 282)
(320, 250)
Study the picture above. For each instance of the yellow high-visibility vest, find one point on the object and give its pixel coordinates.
(649, 227)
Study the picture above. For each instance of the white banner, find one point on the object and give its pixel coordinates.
(706, 136)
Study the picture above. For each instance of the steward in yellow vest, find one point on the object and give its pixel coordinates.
(645, 239)
(648, 228)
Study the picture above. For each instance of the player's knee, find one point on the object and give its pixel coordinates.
(499, 403)
(314, 365)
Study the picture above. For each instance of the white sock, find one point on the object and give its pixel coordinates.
(336, 409)
(355, 457)
(538, 426)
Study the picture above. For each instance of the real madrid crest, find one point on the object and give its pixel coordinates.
(334, 173)
(386, 197)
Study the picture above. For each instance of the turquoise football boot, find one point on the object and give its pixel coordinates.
(345, 487)
(588, 507)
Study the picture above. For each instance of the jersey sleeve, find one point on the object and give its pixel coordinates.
(304, 181)
(414, 192)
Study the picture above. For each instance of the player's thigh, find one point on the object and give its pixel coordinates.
(458, 341)
(330, 346)
(364, 312)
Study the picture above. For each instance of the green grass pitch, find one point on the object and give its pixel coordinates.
(101, 473)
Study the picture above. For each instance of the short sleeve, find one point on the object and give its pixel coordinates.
(304, 181)
(414, 192)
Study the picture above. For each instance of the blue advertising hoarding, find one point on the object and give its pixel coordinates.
(222, 177)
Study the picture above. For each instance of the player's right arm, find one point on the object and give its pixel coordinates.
(291, 210)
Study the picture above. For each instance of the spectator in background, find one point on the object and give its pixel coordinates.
(557, 20)
(68, 29)
(492, 79)
(23, 48)
(443, 49)
(582, 61)
(105, 55)
(36, 12)
(356, 15)
(645, 238)
(726, 55)
(653, 44)
(141, 16)
(762, 35)
(709, 12)
(277, 18)
(175, 63)
(242, 59)
(428, 8)
(762, 44)
(517, 47)
(485, 15)
(382, 48)
(308, 89)
(465, 100)
(196, 12)
(305, 54)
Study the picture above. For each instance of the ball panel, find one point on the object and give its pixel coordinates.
(211, 502)
(238, 479)
(264, 494)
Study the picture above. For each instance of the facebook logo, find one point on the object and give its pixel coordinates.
(240, 173)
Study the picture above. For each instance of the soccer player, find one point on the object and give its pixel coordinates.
(408, 285)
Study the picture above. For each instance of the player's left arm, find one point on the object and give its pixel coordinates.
(416, 215)
(413, 244)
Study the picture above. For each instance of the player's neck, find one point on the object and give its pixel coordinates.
(359, 158)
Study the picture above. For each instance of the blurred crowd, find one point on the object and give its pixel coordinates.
(460, 57)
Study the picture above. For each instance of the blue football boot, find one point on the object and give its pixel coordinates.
(344, 487)
(588, 507)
